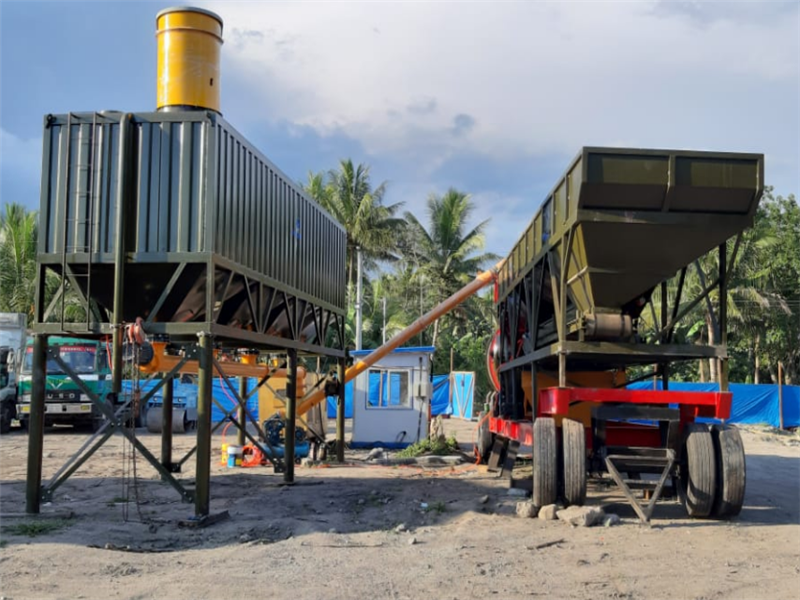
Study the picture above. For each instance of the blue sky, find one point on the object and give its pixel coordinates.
(492, 98)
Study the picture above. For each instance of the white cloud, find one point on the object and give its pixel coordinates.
(530, 78)
(18, 156)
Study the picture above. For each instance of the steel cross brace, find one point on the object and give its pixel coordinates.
(68, 468)
(307, 395)
(644, 512)
(228, 416)
(114, 424)
(277, 463)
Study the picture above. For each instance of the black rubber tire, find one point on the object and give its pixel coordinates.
(731, 471)
(545, 463)
(6, 414)
(573, 439)
(699, 470)
(485, 439)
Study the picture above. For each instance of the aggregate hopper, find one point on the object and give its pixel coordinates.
(172, 223)
(584, 295)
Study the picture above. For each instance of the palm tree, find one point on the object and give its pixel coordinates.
(748, 298)
(18, 238)
(383, 293)
(446, 252)
(347, 194)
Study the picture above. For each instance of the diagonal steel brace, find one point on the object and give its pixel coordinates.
(646, 512)
(115, 424)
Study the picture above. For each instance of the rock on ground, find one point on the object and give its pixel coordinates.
(548, 513)
(526, 510)
(376, 453)
(610, 520)
(581, 516)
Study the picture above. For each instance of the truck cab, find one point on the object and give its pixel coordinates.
(65, 402)
(8, 389)
(12, 340)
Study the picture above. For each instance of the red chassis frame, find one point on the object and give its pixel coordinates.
(556, 401)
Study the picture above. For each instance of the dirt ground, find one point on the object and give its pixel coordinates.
(333, 535)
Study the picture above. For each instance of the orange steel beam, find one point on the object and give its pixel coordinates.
(163, 363)
(481, 281)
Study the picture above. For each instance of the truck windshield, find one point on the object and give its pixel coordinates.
(80, 359)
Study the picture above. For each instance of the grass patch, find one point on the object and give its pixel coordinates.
(437, 507)
(437, 447)
(36, 528)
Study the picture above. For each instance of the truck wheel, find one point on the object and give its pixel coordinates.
(545, 473)
(698, 472)
(485, 438)
(6, 415)
(574, 447)
(730, 471)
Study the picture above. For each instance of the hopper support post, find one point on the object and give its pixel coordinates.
(204, 391)
(241, 414)
(166, 424)
(291, 414)
(664, 367)
(121, 202)
(340, 406)
(723, 316)
(36, 425)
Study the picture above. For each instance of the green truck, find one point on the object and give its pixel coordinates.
(12, 340)
(65, 402)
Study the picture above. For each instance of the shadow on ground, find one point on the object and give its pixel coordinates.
(341, 500)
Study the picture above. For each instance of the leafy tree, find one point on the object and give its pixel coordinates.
(448, 256)
(347, 194)
(773, 334)
(19, 233)
(18, 239)
(763, 300)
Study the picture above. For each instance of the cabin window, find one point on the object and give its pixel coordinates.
(388, 388)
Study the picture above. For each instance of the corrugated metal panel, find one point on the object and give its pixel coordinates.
(169, 190)
(79, 185)
(198, 186)
(675, 191)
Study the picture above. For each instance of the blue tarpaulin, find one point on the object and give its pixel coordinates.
(440, 404)
(186, 394)
(183, 394)
(752, 404)
(348, 403)
(223, 395)
(463, 393)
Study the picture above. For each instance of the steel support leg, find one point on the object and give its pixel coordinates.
(204, 391)
(166, 425)
(340, 412)
(36, 425)
(241, 413)
(291, 415)
(723, 316)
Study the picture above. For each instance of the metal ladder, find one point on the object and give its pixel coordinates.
(89, 219)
